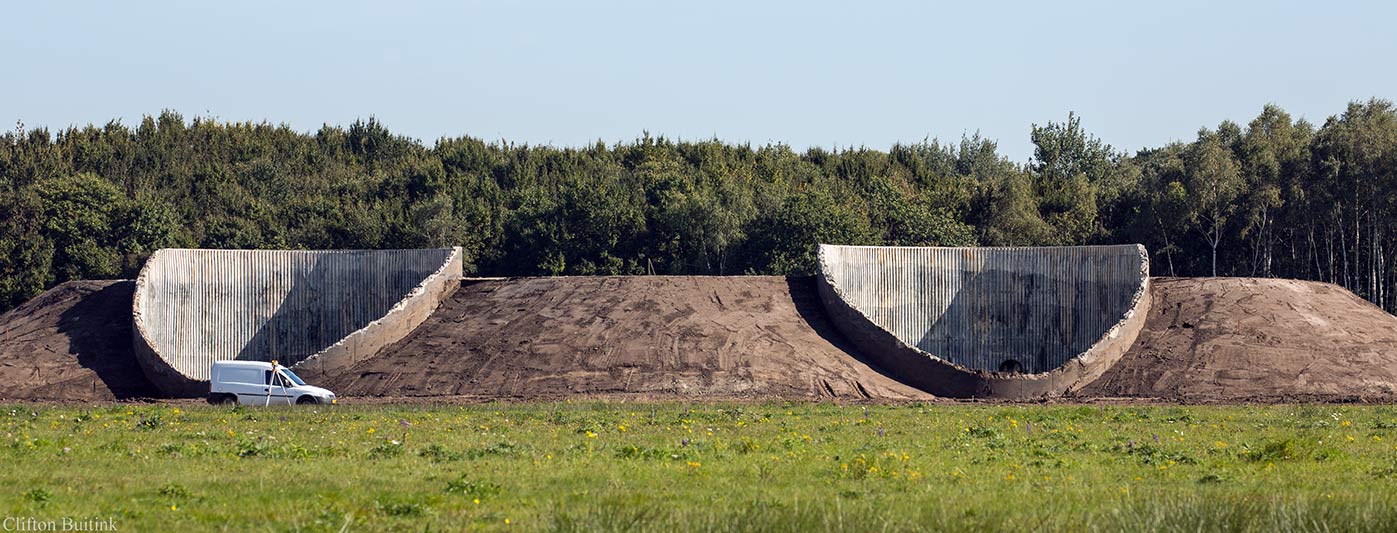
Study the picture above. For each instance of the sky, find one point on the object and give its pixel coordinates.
(828, 74)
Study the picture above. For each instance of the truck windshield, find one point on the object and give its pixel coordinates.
(292, 377)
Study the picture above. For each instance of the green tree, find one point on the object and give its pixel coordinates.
(432, 223)
(1275, 198)
(26, 255)
(1213, 184)
(1274, 157)
(145, 227)
(1165, 204)
(1007, 211)
(80, 214)
(784, 241)
(1069, 166)
(1355, 157)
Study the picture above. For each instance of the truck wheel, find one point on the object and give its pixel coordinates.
(305, 400)
(223, 399)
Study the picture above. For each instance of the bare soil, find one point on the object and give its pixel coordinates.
(660, 337)
(1229, 340)
(72, 343)
(1206, 340)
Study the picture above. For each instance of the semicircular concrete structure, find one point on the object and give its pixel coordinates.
(315, 311)
(988, 322)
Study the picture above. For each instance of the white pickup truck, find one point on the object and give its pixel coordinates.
(261, 383)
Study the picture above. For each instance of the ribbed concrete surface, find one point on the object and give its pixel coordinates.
(978, 307)
(194, 307)
(961, 314)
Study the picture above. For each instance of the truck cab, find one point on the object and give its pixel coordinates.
(261, 383)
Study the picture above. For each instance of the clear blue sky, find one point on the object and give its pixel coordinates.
(803, 73)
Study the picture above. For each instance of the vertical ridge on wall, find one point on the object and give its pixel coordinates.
(979, 307)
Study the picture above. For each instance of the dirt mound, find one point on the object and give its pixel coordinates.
(647, 337)
(1249, 339)
(1205, 340)
(73, 342)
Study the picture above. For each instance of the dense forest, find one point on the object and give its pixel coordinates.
(1276, 197)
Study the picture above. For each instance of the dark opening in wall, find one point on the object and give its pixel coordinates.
(1012, 366)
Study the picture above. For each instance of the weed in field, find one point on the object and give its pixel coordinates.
(386, 448)
(331, 520)
(1215, 477)
(641, 452)
(399, 509)
(149, 422)
(1384, 472)
(38, 495)
(1271, 451)
(981, 432)
(171, 448)
(746, 446)
(251, 447)
(1151, 454)
(499, 449)
(474, 489)
(297, 451)
(437, 453)
(174, 491)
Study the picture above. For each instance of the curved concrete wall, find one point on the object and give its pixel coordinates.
(946, 319)
(323, 308)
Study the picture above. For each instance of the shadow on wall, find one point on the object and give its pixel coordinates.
(806, 297)
(98, 329)
(1009, 321)
(317, 313)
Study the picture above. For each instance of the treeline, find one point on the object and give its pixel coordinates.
(1276, 197)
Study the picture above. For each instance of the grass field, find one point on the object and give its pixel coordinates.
(625, 466)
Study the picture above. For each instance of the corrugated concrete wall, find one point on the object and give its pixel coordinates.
(404, 317)
(193, 307)
(974, 309)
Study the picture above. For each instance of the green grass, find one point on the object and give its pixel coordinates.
(662, 467)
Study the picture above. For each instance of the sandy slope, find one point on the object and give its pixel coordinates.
(660, 337)
(1206, 340)
(73, 342)
(1250, 339)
